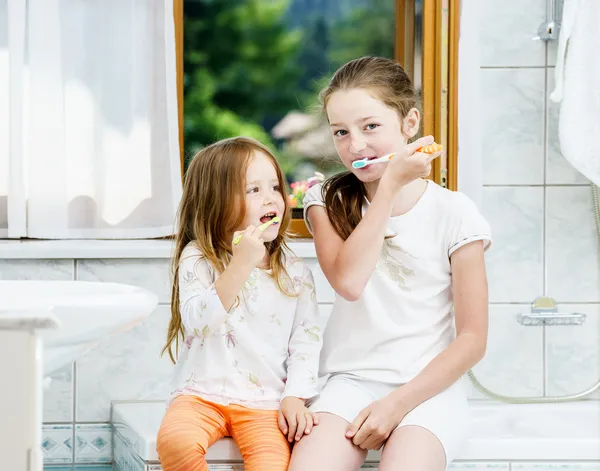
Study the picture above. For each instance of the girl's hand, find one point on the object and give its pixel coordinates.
(294, 419)
(251, 247)
(375, 423)
(408, 164)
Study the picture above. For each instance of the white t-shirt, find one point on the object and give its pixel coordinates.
(259, 352)
(405, 316)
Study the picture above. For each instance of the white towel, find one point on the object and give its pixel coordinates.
(577, 86)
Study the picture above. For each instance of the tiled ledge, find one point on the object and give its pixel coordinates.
(106, 249)
(500, 432)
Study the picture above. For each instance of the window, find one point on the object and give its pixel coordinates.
(255, 67)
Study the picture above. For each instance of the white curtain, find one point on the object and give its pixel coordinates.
(88, 119)
(470, 168)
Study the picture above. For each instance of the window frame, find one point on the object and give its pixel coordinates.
(441, 19)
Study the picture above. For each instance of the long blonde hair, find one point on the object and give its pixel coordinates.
(344, 194)
(212, 207)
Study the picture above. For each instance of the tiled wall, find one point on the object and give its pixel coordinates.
(541, 213)
(77, 402)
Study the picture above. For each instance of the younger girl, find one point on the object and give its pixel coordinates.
(246, 312)
(405, 257)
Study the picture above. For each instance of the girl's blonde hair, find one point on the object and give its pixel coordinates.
(212, 207)
(344, 194)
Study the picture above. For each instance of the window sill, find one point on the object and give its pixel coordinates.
(299, 230)
(99, 249)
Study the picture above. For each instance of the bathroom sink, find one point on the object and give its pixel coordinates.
(86, 312)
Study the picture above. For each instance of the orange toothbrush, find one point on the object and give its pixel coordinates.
(431, 149)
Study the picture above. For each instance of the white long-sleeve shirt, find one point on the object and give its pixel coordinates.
(265, 348)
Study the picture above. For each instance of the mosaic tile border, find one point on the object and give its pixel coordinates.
(93, 443)
(124, 457)
(77, 467)
(57, 444)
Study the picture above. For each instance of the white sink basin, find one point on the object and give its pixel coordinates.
(87, 312)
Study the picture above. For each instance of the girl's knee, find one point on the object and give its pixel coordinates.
(176, 449)
(276, 459)
(326, 448)
(272, 452)
(413, 446)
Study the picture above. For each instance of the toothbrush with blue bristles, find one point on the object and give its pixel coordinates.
(362, 163)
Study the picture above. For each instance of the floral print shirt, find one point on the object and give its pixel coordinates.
(266, 347)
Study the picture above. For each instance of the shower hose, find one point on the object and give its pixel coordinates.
(546, 399)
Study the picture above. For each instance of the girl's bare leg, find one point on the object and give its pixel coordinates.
(410, 448)
(327, 448)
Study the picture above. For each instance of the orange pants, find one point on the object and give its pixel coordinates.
(191, 425)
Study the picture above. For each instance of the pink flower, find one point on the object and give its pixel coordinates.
(300, 188)
(291, 201)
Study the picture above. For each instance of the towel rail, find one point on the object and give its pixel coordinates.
(550, 28)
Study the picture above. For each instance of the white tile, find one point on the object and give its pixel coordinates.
(58, 397)
(572, 353)
(562, 466)
(325, 293)
(153, 273)
(35, 269)
(325, 308)
(464, 466)
(125, 367)
(506, 30)
(558, 169)
(513, 364)
(572, 253)
(514, 262)
(512, 112)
